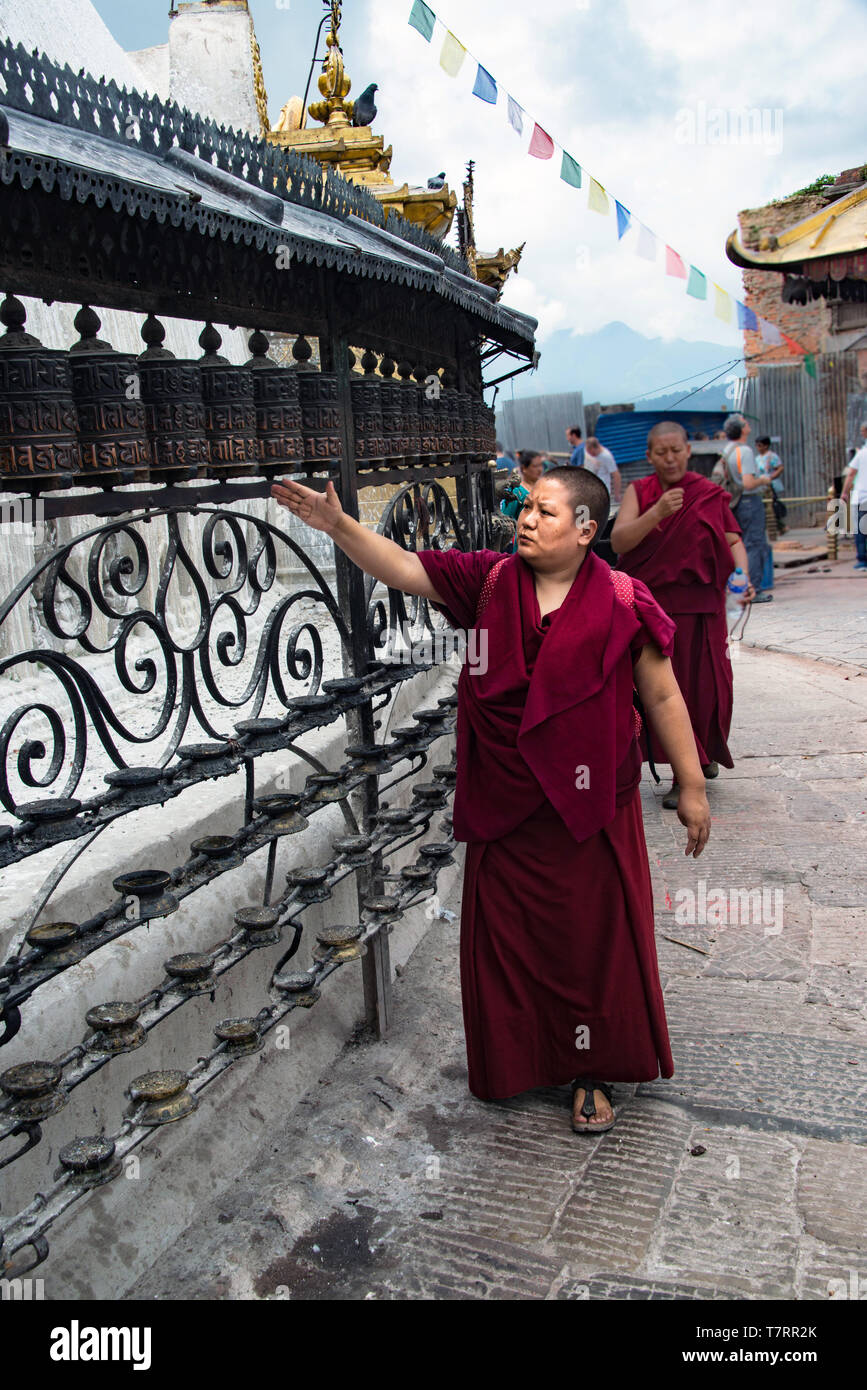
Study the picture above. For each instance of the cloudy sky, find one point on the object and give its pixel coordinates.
(643, 93)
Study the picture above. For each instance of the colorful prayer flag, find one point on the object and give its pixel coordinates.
(516, 113)
(790, 342)
(541, 144)
(810, 365)
(697, 284)
(770, 333)
(746, 317)
(485, 86)
(722, 304)
(597, 198)
(423, 19)
(452, 55)
(624, 217)
(673, 264)
(646, 247)
(570, 171)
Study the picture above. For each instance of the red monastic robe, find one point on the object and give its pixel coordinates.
(559, 976)
(685, 563)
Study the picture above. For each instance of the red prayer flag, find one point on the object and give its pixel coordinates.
(796, 347)
(541, 145)
(673, 264)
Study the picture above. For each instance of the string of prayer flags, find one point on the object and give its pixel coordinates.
(485, 86)
(673, 264)
(696, 285)
(570, 170)
(423, 19)
(516, 114)
(452, 54)
(541, 144)
(597, 198)
(726, 308)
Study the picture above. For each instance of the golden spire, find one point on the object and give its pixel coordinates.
(334, 112)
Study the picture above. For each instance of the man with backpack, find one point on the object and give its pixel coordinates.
(739, 474)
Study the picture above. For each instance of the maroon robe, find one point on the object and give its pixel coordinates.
(557, 912)
(685, 562)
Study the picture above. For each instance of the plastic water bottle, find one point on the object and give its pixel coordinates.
(735, 590)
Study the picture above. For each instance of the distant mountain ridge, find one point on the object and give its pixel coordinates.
(617, 364)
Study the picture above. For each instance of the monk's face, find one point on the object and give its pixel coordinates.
(548, 537)
(669, 454)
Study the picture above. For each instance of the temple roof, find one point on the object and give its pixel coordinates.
(95, 141)
(836, 230)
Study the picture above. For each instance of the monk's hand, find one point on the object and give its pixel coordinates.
(321, 510)
(670, 502)
(693, 811)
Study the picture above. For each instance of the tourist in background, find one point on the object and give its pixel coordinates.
(575, 441)
(601, 462)
(855, 485)
(749, 510)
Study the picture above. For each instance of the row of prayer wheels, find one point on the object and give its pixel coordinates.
(94, 416)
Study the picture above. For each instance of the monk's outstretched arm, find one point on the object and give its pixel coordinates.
(665, 708)
(375, 554)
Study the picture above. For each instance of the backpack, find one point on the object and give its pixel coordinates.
(723, 476)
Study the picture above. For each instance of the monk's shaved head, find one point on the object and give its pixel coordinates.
(665, 427)
(584, 490)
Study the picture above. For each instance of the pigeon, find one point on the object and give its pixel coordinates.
(364, 110)
(437, 181)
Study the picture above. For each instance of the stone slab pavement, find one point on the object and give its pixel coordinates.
(819, 611)
(743, 1176)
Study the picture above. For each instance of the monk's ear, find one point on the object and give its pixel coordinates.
(586, 531)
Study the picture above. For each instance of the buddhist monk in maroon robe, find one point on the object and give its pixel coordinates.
(676, 533)
(558, 963)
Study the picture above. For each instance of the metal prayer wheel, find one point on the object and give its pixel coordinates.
(487, 431)
(427, 394)
(113, 442)
(171, 391)
(411, 411)
(38, 421)
(463, 405)
(367, 412)
(230, 411)
(280, 439)
(447, 417)
(320, 412)
(392, 412)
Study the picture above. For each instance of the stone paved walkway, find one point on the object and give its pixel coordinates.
(742, 1176)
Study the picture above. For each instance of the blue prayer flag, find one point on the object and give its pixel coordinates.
(746, 317)
(624, 217)
(485, 86)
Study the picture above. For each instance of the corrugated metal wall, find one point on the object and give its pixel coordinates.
(540, 422)
(811, 419)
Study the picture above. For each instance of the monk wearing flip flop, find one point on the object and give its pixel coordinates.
(558, 960)
(675, 531)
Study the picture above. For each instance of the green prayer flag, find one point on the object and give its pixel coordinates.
(697, 284)
(422, 18)
(570, 170)
(810, 365)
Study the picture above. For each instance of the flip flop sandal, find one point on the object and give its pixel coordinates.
(588, 1107)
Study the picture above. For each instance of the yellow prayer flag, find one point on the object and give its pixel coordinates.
(722, 304)
(597, 198)
(453, 54)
